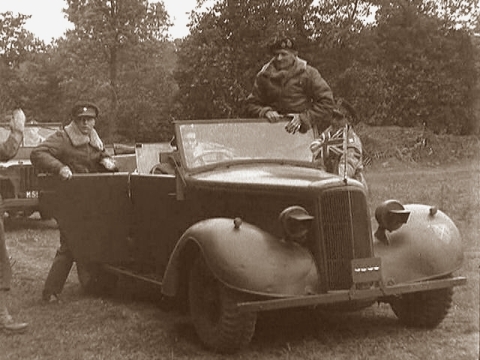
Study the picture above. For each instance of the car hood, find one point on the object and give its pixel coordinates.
(265, 175)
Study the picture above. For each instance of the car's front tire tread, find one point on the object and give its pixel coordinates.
(425, 309)
(218, 322)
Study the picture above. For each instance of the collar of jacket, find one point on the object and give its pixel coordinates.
(270, 71)
(78, 139)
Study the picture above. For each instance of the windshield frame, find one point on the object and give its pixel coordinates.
(28, 142)
(180, 144)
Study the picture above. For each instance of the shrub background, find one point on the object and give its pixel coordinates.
(412, 63)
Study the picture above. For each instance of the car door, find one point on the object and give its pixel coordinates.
(94, 211)
(158, 220)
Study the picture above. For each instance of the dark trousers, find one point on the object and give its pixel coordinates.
(5, 269)
(61, 266)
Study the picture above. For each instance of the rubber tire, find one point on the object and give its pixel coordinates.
(218, 322)
(27, 213)
(45, 215)
(425, 309)
(95, 280)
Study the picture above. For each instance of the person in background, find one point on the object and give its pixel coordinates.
(9, 149)
(31, 136)
(328, 147)
(75, 149)
(287, 86)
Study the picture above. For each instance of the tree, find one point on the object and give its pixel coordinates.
(227, 45)
(412, 64)
(16, 47)
(427, 72)
(16, 43)
(111, 38)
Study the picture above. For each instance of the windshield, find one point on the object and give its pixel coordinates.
(33, 134)
(204, 143)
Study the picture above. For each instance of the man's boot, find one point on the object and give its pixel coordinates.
(6, 321)
(9, 325)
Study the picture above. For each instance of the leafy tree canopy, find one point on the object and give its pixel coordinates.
(116, 55)
(16, 48)
(403, 62)
(399, 62)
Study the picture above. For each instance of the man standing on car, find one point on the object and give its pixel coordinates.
(288, 87)
(75, 149)
(9, 149)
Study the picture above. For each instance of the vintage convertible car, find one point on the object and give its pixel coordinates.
(235, 218)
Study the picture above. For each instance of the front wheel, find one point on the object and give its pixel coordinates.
(213, 308)
(94, 279)
(425, 309)
(44, 215)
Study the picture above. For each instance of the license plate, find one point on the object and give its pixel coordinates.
(32, 194)
(366, 270)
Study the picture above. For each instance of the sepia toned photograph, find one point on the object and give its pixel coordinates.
(239, 179)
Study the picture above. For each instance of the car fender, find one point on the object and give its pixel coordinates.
(427, 246)
(244, 257)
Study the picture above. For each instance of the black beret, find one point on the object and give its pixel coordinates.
(85, 108)
(284, 43)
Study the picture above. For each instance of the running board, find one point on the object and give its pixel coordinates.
(119, 271)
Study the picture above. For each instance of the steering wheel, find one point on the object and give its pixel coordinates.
(162, 168)
(212, 156)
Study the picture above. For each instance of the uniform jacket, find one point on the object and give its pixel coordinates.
(8, 149)
(69, 147)
(299, 89)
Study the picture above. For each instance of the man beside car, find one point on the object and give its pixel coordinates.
(9, 149)
(75, 149)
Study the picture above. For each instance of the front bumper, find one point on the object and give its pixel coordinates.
(376, 293)
(20, 204)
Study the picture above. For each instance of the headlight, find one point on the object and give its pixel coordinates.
(390, 215)
(295, 221)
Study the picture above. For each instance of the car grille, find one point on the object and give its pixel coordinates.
(28, 179)
(346, 233)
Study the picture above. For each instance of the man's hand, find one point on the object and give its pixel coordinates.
(316, 146)
(18, 121)
(294, 125)
(65, 173)
(109, 164)
(273, 116)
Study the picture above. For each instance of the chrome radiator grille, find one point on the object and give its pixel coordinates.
(345, 224)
